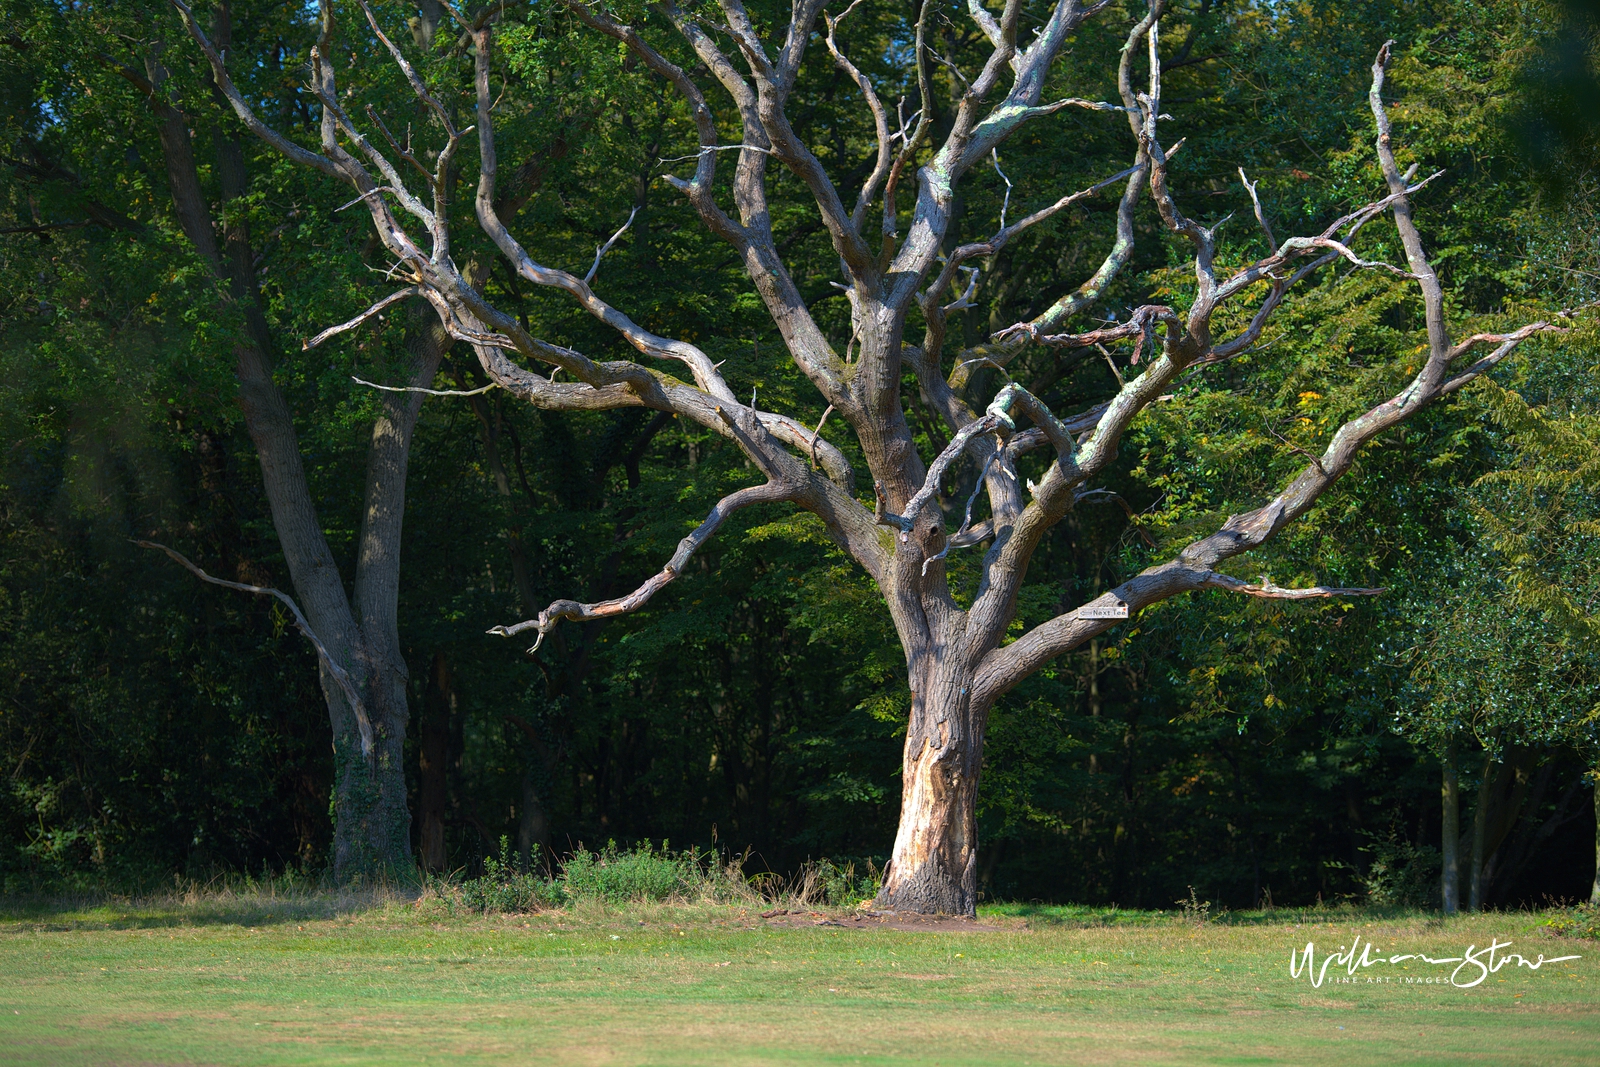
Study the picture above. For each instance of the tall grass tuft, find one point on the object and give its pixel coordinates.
(646, 874)
(636, 875)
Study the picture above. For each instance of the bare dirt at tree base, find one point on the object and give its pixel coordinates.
(881, 920)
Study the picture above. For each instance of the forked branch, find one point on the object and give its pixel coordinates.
(375, 309)
(1195, 567)
(1003, 237)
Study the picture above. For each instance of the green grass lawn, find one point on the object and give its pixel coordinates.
(319, 981)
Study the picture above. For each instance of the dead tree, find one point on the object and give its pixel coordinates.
(957, 661)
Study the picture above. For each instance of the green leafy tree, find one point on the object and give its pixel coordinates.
(1544, 522)
(200, 216)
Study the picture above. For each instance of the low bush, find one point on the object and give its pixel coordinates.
(1579, 920)
(647, 874)
(610, 876)
(506, 885)
(637, 874)
(1401, 874)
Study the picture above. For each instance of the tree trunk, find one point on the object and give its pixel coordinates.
(1450, 837)
(372, 825)
(1594, 894)
(933, 868)
(372, 822)
(372, 830)
(533, 825)
(1480, 830)
(433, 758)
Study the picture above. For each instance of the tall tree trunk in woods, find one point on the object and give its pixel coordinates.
(959, 660)
(1480, 833)
(359, 632)
(373, 825)
(533, 825)
(533, 821)
(1450, 837)
(433, 757)
(1594, 893)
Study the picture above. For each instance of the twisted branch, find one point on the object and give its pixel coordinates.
(770, 492)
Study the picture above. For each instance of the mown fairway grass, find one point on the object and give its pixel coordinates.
(313, 981)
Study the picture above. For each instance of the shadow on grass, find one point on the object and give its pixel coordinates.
(195, 907)
(1095, 917)
(267, 904)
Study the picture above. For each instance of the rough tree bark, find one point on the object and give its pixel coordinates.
(1594, 894)
(433, 756)
(358, 631)
(1450, 836)
(957, 663)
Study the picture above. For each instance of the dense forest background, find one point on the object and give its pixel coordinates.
(1260, 751)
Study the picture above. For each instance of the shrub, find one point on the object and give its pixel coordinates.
(638, 874)
(1195, 910)
(644, 873)
(1580, 920)
(507, 886)
(1401, 874)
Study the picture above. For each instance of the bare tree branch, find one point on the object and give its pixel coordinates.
(429, 392)
(1190, 344)
(770, 492)
(352, 695)
(599, 253)
(1261, 217)
(1427, 280)
(1089, 292)
(880, 120)
(1266, 588)
(1508, 342)
(242, 109)
(963, 534)
(392, 298)
(1003, 237)
(816, 434)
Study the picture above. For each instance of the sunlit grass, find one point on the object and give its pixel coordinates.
(269, 978)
